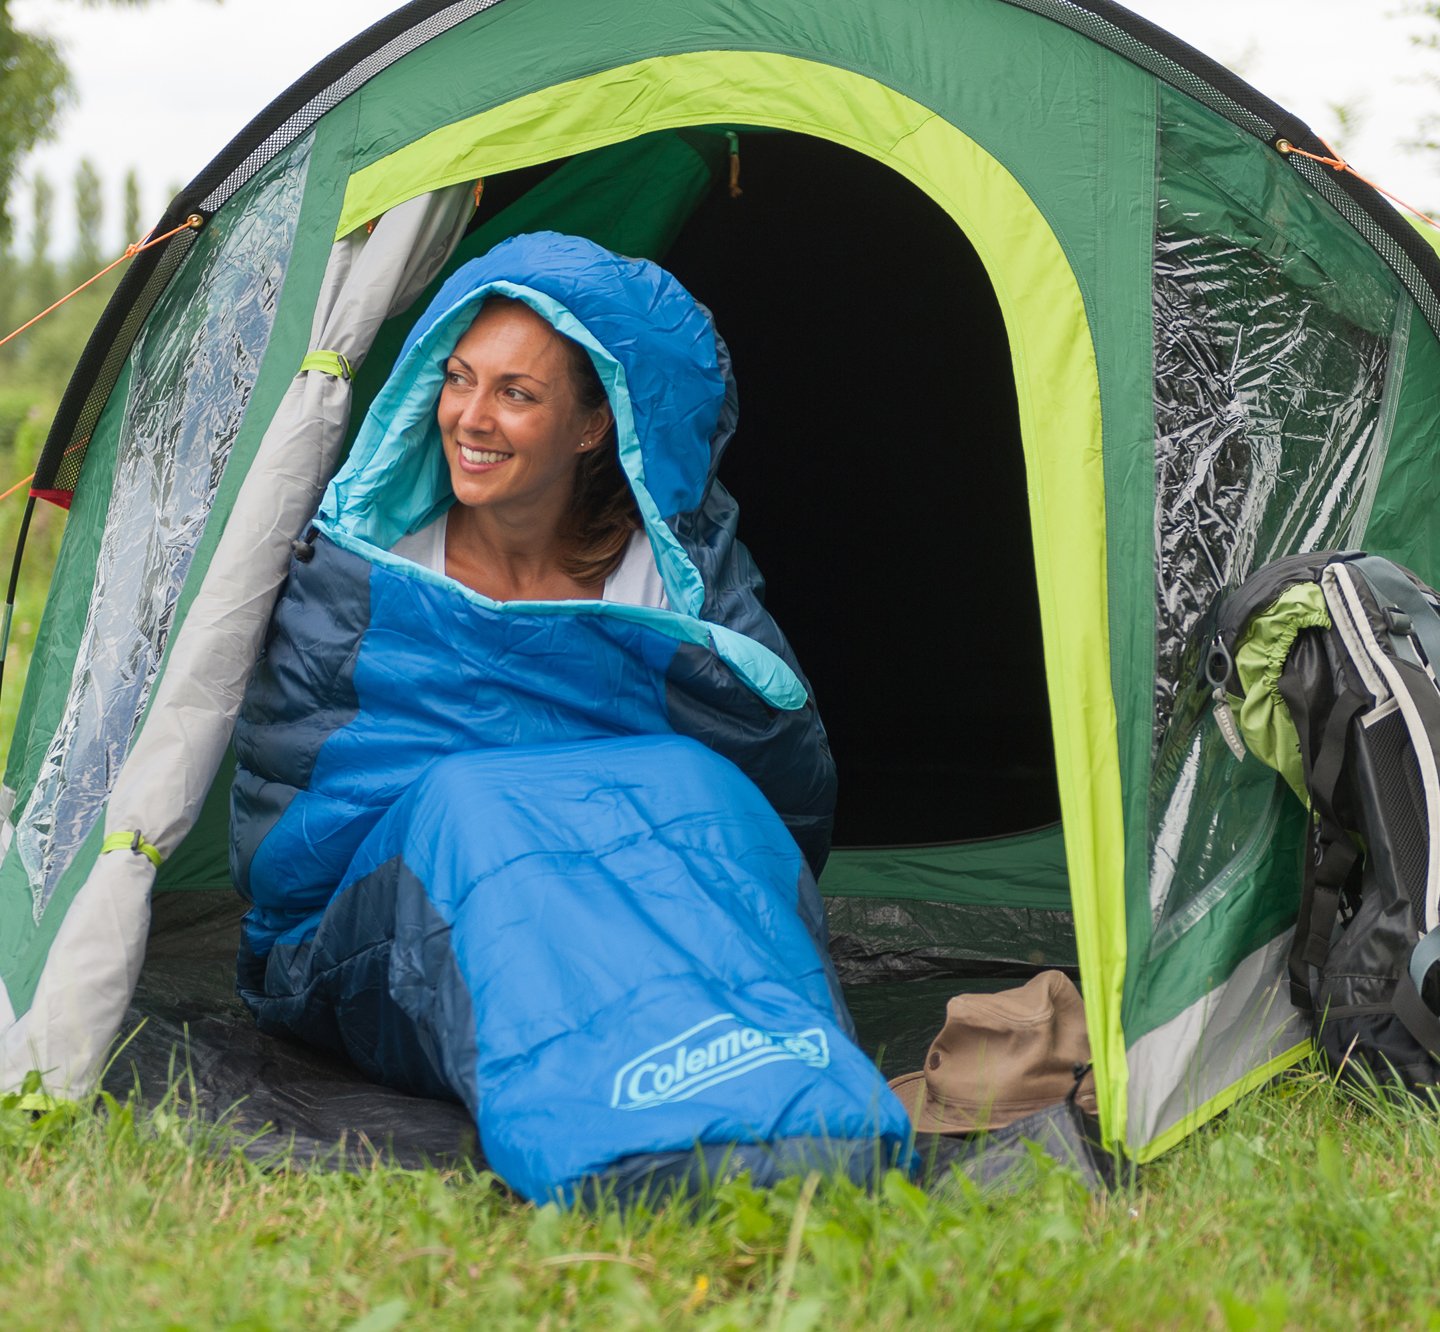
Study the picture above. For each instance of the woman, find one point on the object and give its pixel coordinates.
(531, 796)
(543, 511)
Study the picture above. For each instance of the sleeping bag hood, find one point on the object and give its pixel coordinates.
(664, 369)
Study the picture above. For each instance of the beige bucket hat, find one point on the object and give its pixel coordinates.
(1001, 1057)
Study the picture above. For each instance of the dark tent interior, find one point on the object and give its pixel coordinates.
(881, 485)
(877, 465)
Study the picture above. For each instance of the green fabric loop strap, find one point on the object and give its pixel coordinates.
(131, 841)
(327, 362)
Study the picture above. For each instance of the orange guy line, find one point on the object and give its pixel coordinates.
(189, 224)
(1338, 163)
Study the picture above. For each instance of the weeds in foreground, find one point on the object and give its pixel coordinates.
(1305, 1206)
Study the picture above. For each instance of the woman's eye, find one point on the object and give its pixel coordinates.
(454, 378)
(517, 394)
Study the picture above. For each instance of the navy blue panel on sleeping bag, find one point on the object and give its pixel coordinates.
(556, 859)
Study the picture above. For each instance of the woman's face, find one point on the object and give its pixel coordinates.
(510, 422)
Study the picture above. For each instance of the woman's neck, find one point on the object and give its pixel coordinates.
(509, 562)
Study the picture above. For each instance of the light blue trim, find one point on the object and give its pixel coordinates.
(765, 673)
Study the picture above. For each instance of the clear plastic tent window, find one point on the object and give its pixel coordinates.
(1275, 339)
(193, 368)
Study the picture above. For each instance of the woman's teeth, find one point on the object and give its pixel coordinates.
(482, 455)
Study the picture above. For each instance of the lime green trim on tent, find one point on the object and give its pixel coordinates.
(1264, 716)
(132, 841)
(328, 363)
(1258, 1077)
(1057, 384)
(1026, 871)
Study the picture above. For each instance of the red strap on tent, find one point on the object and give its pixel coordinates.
(1338, 163)
(60, 497)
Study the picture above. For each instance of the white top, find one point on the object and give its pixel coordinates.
(635, 582)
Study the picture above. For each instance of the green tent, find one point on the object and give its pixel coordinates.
(1044, 337)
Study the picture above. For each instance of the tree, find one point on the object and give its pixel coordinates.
(42, 212)
(1427, 138)
(131, 207)
(89, 219)
(34, 88)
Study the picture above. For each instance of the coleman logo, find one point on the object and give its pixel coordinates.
(716, 1050)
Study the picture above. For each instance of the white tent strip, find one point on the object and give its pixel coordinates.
(94, 963)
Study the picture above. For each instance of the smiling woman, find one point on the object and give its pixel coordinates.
(543, 511)
(507, 872)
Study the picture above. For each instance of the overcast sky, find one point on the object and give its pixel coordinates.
(164, 87)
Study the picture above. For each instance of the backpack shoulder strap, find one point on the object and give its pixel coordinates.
(1331, 852)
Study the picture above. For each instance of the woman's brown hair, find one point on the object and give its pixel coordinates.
(603, 512)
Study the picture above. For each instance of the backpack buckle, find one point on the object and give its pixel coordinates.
(1397, 622)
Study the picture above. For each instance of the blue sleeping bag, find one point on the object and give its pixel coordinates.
(556, 859)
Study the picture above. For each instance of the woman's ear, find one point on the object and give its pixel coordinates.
(598, 424)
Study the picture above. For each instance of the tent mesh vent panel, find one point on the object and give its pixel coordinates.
(304, 119)
(1108, 34)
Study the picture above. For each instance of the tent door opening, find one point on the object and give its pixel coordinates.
(881, 485)
(881, 482)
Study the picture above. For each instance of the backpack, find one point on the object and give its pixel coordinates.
(1323, 665)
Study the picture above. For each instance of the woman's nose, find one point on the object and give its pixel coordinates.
(476, 415)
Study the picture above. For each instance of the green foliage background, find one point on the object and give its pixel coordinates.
(34, 369)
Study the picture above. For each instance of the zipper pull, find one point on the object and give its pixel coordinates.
(1218, 666)
(1225, 720)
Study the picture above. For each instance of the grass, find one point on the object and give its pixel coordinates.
(1305, 1206)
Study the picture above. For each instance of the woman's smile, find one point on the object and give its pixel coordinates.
(481, 460)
